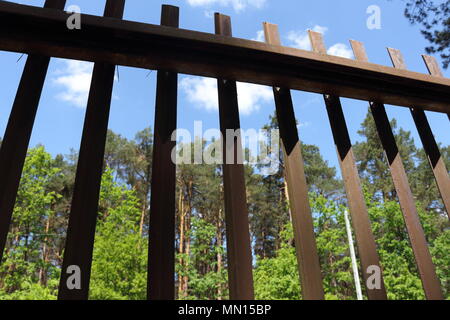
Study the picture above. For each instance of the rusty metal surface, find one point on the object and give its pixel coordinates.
(432, 66)
(416, 234)
(84, 209)
(302, 222)
(161, 275)
(239, 254)
(434, 156)
(426, 135)
(18, 132)
(434, 70)
(367, 249)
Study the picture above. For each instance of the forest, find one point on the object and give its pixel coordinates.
(33, 257)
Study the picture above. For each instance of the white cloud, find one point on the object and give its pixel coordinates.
(300, 39)
(259, 36)
(251, 96)
(341, 50)
(203, 93)
(238, 5)
(209, 14)
(303, 125)
(75, 80)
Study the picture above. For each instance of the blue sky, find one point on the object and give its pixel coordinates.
(61, 112)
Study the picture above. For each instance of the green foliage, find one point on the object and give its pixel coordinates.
(397, 259)
(277, 278)
(204, 277)
(441, 260)
(119, 268)
(372, 164)
(120, 253)
(332, 247)
(33, 291)
(22, 263)
(268, 196)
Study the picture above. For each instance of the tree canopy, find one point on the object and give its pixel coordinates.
(434, 17)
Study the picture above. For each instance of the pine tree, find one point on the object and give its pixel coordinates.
(434, 16)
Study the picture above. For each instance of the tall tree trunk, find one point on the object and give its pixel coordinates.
(187, 227)
(181, 247)
(141, 223)
(286, 194)
(144, 208)
(43, 270)
(27, 233)
(219, 254)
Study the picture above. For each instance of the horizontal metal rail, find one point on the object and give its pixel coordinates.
(43, 31)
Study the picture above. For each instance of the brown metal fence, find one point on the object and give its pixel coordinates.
(109, 41)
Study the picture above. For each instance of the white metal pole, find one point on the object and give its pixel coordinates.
(353, 257)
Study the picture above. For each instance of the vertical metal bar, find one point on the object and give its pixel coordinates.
(367, 249)
(429, 143)
(240, 277)
(433, 69)
(83, 215)
(434, 156)
(416, 234)
(305, 243)
(161, 254)
(18, 132)
(432, 66)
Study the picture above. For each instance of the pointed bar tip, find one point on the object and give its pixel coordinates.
(170, 16)
(359, 51)
(317, 43)
(222, 24)
(432, 66)
(397, 58)
(271, 33)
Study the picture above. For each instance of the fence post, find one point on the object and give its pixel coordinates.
(84, 209)
(161, 252)
(429, 143)
(365, 241)
(302, 222)
(239, 253)
(18, 132)
(416, 234)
